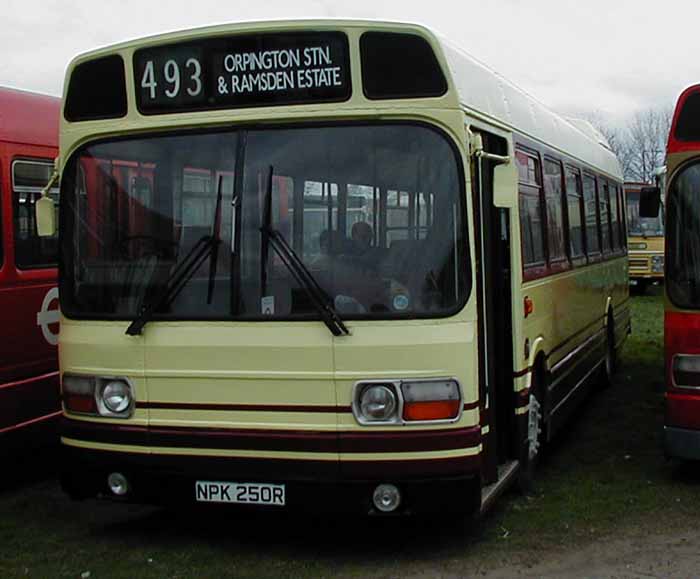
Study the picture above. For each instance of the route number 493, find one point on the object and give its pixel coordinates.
(171, 78)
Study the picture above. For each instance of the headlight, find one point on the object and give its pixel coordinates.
(657, 263)
(116, 396)
(97, 396)
(377, 403)
(407, 401)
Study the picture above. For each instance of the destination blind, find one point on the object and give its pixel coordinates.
(243, 71)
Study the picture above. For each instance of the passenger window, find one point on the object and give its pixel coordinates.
(591, 213)
(615, 218)
(530, 202)
(623, 217)
(28, 179)
(603, 212)
(555, 211)
(574, 195)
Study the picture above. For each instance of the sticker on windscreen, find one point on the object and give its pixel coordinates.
(267, 305)
(401, 302)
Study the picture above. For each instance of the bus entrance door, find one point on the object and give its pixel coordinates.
(495, 319)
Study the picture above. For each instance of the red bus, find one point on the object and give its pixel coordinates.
(29, 392)
(682, 317)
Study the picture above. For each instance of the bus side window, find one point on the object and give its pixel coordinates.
(591, 213)
(555, 211)
(604, 215)
(28, 179)
(531, 209)
(574, 194)
(614, 217)
(622, 216)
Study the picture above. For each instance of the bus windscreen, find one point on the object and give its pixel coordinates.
(642, 226)
(374, 212)
(683, 238)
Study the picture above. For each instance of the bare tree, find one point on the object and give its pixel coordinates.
(647, 134)
(640, 145)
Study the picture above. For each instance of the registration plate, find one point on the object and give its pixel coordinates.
(240, 493)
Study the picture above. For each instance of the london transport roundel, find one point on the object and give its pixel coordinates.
(46, 317)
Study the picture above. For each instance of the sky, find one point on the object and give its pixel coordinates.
(602, 58)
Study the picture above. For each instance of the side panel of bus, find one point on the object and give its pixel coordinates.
(574, 299)
(29, 395)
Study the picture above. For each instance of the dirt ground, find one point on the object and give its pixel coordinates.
(669, 555)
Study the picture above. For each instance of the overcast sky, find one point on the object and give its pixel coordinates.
(608, 57)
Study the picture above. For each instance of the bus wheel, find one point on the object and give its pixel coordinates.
(610, 362)
(534, 433)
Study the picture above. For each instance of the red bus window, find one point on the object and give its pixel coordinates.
(29, 177)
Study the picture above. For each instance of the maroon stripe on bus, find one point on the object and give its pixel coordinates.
(271, 469)
(273, 440)
(29, 399)
(33, 422)
(244, 407)
(259, 407)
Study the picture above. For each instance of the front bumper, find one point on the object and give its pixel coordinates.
(682, 443)
(170, 480)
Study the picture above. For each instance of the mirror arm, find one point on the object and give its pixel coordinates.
(498, 159)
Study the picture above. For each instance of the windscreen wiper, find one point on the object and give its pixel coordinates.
(319, 298)
(216, 240)
(206, 247)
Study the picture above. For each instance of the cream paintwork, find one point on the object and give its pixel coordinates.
(655, 246)
(555, 319)
(301, 363)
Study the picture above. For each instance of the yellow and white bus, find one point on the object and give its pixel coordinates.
(325, 264)
(645, 238)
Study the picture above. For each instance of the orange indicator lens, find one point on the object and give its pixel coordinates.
(434, 410)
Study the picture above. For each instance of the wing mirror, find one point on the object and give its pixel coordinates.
(649, 201)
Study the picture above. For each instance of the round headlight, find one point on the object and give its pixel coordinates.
(116, 396)
(378, 403)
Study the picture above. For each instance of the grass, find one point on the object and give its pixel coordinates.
(604, 477)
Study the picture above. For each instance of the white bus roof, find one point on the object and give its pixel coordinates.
(478, 88)
(485, 92)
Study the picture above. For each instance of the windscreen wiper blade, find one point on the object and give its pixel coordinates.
(179, 277)
(319, 298)
(206, 247)
(216, 241)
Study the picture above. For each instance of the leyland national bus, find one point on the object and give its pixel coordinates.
(682, 320)
(325, 264)
(29, 390)
(645, 239)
